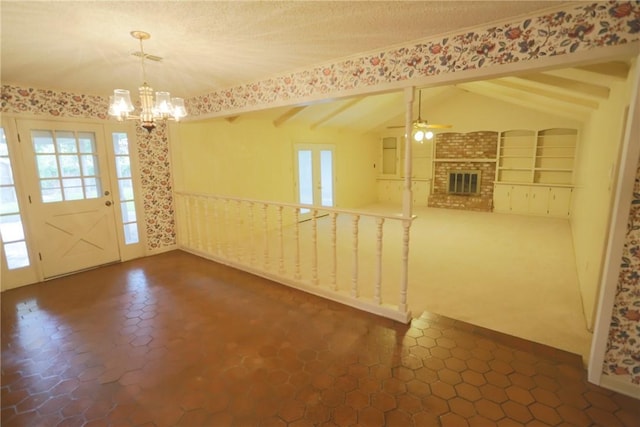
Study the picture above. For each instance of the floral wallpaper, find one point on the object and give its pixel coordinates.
(152, 151)
(623, 349)
(585, 26)
(579, 27)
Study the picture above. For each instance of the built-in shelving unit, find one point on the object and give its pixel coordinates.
(535, 171)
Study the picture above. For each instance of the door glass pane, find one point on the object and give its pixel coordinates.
(69, 165)
(66, 142)
(47, 166)
(131, 233)
(126, 189)
(305, 177)
(86, 140)
(50, 189)
(326, 177)
(17, 255)
(128, 212)
(8, 199)
(88, 165)
(42, 141)
(11, 228)
(123, 169)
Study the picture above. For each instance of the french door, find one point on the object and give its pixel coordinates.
(315, 175)
(69, 192)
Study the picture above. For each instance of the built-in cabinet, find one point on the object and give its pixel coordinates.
(532, 199)
(391, 177)
(535, 172)
(390, 190)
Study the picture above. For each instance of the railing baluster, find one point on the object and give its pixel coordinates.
(314, 247)
(216, 225)
(225, 226)
(296, 231)
(265, 225)
(280, 240)
(334, 252)
(376, 293)
(207, 225)
(252, 251)
(238, 237)
(198, 224)
(354, 277)
(404, 281)
(188, 219)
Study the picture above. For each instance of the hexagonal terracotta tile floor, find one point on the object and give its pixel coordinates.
(178, 340)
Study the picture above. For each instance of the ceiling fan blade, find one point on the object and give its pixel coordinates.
(395, 127)
(434, 126)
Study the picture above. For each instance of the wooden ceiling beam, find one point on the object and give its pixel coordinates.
(335, 112)
(287, 115)
(568, 85)
(548, 93)
(616, 69)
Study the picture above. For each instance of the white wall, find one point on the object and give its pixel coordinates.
(254, 159)
(596, 169)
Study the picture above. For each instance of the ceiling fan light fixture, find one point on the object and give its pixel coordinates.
(163, 108)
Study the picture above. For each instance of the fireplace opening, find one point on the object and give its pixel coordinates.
(464, 182)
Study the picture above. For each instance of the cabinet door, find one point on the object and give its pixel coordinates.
(560, 201)
(520, 199)
(539, 200)
(501, 198)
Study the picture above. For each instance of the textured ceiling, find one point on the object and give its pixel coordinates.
(85, 47)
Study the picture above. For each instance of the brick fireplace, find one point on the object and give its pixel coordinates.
(464, 170)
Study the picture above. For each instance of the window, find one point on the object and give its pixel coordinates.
(125, 186)
(67, 165)
(11, 228)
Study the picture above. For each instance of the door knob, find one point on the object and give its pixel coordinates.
(107, 203)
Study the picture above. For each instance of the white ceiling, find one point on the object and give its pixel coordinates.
(85, 46)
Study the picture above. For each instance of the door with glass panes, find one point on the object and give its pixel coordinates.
(70, 195)
(315, 166)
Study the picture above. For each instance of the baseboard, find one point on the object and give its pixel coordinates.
(620, 384)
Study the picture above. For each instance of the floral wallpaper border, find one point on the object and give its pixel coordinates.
(623, 348)
(584, 27)
(577, 28)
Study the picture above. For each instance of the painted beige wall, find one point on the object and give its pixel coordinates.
(252, 158)
(596, 170)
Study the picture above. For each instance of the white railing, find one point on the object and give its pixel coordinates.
(338, 254)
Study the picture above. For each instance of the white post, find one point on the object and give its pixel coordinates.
(404, 280)
(407, 197)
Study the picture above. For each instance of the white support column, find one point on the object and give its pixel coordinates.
(354, 277)
(378, 283)
(407, 197)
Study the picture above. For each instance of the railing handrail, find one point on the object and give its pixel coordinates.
(397, 217)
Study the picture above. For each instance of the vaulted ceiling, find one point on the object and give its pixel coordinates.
(571, 93)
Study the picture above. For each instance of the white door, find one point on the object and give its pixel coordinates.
(315, 175)
(71, 208)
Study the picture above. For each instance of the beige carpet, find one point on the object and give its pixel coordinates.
(511, 273)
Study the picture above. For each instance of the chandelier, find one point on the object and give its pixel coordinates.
(164, 107)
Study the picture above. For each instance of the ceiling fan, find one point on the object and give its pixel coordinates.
(420, 124)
